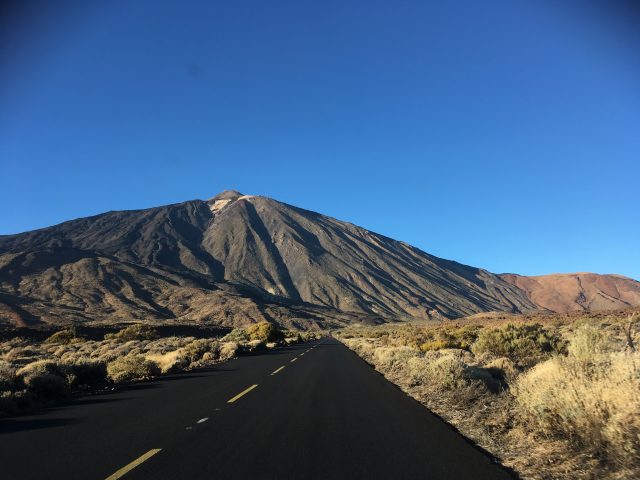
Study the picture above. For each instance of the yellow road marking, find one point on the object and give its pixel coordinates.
(244, 392)
(293, 360)
(127, 468)
(277, 370)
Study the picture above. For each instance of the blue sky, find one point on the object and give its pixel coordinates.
(500, 134)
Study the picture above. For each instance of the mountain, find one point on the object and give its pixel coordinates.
(578, 291)
(231, 260)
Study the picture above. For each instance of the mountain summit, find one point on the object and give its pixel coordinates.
(231, 260)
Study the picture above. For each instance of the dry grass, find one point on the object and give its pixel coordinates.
(591, 398)
(131, 367)
(554, 397)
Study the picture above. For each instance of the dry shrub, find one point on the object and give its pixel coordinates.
(574, 415)
(169, 362)
(32, 372)
(590, 398)
(40, 367)
(440, 371)
(195, 354)
(238, 335)
(66, 336)
(523, 344)
(435, 345)
(265, 332)
(228, 350)
(437, 370)
(45, 379)
(589, 340)
(450, 337)
(503, 369)
(88, 373)
(7, 376)
(164, 344)
(131, 367)
(292, 336)
(195, 350)
(138, 331)
(393, 358)
(22, 354)
(254, 346)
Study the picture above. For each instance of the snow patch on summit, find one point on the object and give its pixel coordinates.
(218, 205)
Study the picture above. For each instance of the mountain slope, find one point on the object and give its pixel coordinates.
(578, 291)
(298, 254)
(229, 260)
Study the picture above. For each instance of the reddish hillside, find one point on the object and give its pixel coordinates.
(578, 291)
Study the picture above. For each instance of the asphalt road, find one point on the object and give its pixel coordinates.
(311, 411)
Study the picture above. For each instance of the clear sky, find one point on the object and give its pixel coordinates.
(502, 134)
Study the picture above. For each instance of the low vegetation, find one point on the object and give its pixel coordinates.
(553, 397)
(34, 373)
(132, 367)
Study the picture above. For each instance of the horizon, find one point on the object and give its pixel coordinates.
(500, 136)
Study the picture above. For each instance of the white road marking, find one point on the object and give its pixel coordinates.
(202, 420)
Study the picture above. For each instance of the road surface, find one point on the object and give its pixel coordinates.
(309, 411)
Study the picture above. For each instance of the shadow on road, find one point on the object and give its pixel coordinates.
(11, 425)
(29, 420)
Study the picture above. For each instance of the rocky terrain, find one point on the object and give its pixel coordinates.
(578, 291)
(232, 260)
(237, 259)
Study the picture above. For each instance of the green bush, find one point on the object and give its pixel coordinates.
(131, 367)
(138, 331)
(238, 335)
(264, 331)
(434, 345)
(523, 344)
(450, 337)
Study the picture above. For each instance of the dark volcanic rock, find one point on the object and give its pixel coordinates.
(231, 260)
